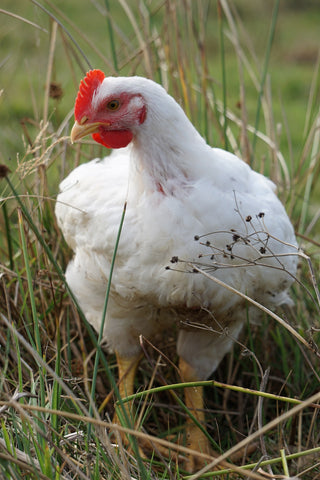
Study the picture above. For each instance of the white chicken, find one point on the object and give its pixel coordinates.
(176, 187)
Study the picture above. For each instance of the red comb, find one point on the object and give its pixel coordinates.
(86, 90)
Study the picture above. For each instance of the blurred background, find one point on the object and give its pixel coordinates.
(165, 40)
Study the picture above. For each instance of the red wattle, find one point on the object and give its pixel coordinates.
(113, 138)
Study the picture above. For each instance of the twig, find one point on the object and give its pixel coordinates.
(259, 305)
(22, 19)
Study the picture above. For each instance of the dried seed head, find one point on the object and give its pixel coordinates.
(174, 260)
(248, 218)
(55, 91)
(4, 170)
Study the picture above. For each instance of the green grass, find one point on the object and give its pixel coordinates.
(56, 393)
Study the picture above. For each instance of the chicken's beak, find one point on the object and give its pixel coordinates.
(78, 131)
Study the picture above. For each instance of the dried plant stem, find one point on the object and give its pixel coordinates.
(49, 70)
(269, 426)
(258, 305)
(214, 383)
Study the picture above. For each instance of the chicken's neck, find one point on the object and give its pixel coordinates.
(167, 161)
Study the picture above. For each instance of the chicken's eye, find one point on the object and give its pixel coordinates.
(113, 105)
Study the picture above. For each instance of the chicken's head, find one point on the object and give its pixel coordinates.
(110, 114)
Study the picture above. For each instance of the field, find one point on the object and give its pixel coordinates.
(247, 75)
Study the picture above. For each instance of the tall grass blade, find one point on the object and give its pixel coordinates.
(314, 158)
(104, 313)
(224, 77)
(30, 284)
(56, 388)
(132, 438)
(265, 72)
(50, 14)
(8, 235)
(111, 37)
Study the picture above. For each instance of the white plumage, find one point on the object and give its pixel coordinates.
(176, 187)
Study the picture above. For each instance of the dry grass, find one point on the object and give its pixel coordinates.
(267, 391)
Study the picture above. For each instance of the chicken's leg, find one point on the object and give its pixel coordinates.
(196, 439)
(127, 367)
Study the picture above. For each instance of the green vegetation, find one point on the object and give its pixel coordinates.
(247, 74)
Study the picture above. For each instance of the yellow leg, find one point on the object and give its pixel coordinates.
(196, 439)
(127, 367)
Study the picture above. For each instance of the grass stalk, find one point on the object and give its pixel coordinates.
(284, 462)
(265, 71)
(81, 35)
(30, 284)
(61, 25)
(78, 404)
(49, 70)
(224, 77)
(263, 463)
(132, 439)
(56, 388)
(35, 318)
(216, 384)
(19, 362)
(111, 37)
(8, 235)
(103, 319)
(314, 158)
